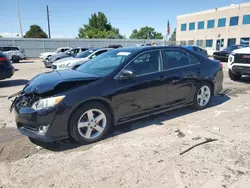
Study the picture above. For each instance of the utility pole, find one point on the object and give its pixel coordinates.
(48, 20)
(19, 17)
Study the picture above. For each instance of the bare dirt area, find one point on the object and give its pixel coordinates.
(145, 153)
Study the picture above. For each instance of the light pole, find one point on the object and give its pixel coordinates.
(19, 17)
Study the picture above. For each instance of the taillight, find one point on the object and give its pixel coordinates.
(3, 59)
(221, 65)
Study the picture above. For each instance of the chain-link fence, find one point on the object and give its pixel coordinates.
(33, 47)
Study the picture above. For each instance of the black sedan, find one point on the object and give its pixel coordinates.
(6, 68)
(197, 49)
(223, 55)
(116, 87)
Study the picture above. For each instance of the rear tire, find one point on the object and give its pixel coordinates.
(15, 59)
(90, 123)
(202, 96)
(233, 76)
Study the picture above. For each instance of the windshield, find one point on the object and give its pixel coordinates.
(85, 54)
(104, 64)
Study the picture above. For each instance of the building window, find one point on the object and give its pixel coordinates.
(210, 24)
(209, 43)
(246, 19)
(183, 27)
(234, 21)
(231, 42)
(245, 41)
(191, 26)
(190, 42)
(183, 43)
(222, 22)
(199, 43)
(221, 42)
(201, 25)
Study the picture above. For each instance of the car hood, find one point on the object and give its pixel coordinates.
(58, 56)
(46, 82)
(70, 60)
(47, 53)
(242, 51)
(61, 61)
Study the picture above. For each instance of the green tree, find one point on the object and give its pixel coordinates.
(173, 36)
(1, 36)
(99, 27)
(145, 33)
(35, 31)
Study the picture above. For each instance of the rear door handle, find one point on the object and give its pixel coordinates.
(162, 78)
(175, 81)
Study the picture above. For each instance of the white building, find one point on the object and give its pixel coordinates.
(215, 29)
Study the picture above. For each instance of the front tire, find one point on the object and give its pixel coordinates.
(233, 76)
(202, 96)
(90, 123)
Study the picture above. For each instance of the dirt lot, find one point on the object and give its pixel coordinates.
(145, 153)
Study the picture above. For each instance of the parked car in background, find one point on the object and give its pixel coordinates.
(6, 68)
(115, 46)
(224, 54)
(70, 53)
(119, 86)
(14, 53)
(58, 51)
(198, 50)
(239, 63)
(74, 62)
(148, 44)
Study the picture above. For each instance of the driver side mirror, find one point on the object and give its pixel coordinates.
(126, 74)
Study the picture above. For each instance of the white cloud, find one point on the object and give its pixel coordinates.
(10, 35)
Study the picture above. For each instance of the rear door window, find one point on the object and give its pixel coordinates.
(174, 59)
(14, 48)
(5, 49)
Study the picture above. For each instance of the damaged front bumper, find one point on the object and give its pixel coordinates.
(44, 125)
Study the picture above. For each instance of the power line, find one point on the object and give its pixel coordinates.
(48, 20)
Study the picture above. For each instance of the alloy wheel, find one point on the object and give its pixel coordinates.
(92, 124)
(203, 95)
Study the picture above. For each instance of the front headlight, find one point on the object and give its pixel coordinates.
(64, 65)
(46, 103)
(231, 59)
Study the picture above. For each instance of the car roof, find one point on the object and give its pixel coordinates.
(64, 47)
(146, 48)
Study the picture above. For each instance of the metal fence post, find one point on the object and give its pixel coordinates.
(43, 45)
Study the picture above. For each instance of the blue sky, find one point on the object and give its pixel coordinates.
(68, 15)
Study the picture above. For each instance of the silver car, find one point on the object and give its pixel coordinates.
(74, 62)
(58, 51)
(14, 53)
(70, 53)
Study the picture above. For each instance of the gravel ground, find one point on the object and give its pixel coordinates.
(145, 153)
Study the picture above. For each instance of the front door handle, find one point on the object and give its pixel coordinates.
(162, 78)
(199, 71)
